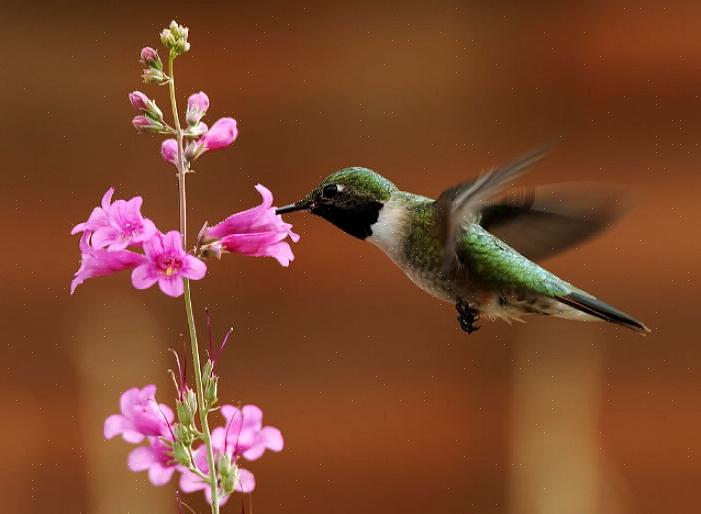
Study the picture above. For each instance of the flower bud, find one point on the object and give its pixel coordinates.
(180, 454)
(143, 103)
(230, 480)
(184, 413)
(175, 38)
(154, 76)
(222, 134)
(146, 124)
(210, 391)
(197, 106)
(150, 58)
(196, 130)
(184, 434)
(169, 151)
(224, 464)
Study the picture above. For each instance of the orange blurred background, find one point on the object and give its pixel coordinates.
(384, 404)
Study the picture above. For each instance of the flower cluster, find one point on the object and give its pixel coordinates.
(117, 237)
(170, 447)
(202, 138)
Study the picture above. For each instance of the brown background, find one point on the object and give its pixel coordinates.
(385, 405)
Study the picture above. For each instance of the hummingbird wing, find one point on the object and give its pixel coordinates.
(461, 204)
(543, 221)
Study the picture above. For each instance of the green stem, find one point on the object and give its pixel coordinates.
(196, 366)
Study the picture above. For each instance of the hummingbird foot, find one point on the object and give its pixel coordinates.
(467, 317)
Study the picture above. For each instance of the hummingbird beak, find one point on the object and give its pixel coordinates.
(302, 205)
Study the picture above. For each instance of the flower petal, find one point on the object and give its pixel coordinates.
(193, 268)
(141, 458)
(115, 425)
(144, 276)
(172, 286)
(246, 482)
(159, 474)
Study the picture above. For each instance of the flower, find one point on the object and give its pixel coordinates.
(156, 458)
(126, 226)
(97, 262)
(220, 135)
(169, 151)
(117, 225)
(257, 232)
(244, 433)
(167, 263)
(197, 105)
(141, 416)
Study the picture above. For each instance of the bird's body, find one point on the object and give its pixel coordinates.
(471, 246)
(493, 277)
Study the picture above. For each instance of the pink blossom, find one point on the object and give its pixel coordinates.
(141, 416)
(126, 226)
(169, 151)
(156, 458)
(220, 135)
(244, 434)
(167, 263)
(256, 232)
(197, 105)
(97, 262)
(98, 217)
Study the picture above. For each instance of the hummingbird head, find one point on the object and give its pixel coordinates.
(350, 198)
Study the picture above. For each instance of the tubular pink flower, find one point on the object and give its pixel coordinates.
(257, 232)
(167, 263)
(126, 226)
(220, 135)
(197, 106)
(97, 262)
(169, 151)
(141, 416)
(154, 458)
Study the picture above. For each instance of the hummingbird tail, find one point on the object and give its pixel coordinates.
(595, 307)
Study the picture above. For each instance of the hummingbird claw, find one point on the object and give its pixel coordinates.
(467, 317)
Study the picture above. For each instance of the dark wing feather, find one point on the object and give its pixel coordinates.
(546, 220)
(461, 204)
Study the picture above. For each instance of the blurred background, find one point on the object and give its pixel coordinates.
(385, 405)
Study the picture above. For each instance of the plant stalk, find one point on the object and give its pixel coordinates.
(197, 369)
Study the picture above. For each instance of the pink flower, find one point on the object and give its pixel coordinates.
(220, 135)
(98, 217)
(257, 232)
(167, 263)
(141, 416)
(169, 151)
(244, 434)
(97, 262)
(197, 106)
(156, 458)
(126, 226)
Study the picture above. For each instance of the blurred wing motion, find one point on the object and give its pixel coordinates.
(546, 220)
(463, 203)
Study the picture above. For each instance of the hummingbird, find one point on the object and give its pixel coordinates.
(476, 245)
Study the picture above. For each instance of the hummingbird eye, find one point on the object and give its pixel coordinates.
(330, 191)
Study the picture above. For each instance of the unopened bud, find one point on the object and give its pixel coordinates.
(146, 124)
(230, 480)
(183, 434)
(197, 106)
(143, 103)
(154, 76)
(175, 38)
(180, 454)
(150, 58)
(210, 390)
